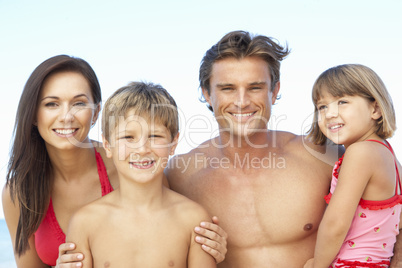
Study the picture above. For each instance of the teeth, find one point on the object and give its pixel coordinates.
(335, 127)
(143, 163)
(64, 131)
(243, 115)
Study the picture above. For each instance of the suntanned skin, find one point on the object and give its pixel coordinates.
(112, 232)
(266, 187)
(142, 223)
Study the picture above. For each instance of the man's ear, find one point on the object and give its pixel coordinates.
(206, 95)
(376, 112)
(275, 92)
(175, 141)
(106, 146)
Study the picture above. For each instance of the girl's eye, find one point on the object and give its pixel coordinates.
(342, 102)
(321, 107)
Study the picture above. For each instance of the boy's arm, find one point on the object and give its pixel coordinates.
(78, 233)
(197, 257)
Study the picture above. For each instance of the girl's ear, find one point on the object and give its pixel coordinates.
(376, 114)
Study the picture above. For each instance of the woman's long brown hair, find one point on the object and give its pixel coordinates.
(29, 175)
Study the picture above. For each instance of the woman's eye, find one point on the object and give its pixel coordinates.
(80, 103)
(51, 104)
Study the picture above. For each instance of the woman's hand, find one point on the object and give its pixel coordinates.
(309, 263)
(212, 238)
(68, 260)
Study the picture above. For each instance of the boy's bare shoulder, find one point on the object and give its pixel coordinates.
(93, 212)
(185, 208)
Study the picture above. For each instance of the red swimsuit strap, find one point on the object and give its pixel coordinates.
(398, 179)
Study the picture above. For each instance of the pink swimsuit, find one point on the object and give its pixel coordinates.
(372, 234)
(49, 235)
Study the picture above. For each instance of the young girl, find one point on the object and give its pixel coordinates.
(360, 225)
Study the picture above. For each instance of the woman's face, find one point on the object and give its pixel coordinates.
(66, 111)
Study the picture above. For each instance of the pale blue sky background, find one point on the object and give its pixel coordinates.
(164, 41)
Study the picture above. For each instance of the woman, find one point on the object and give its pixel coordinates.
(54, 168)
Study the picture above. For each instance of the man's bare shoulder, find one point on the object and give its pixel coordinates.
(301, 146)
(184, 165)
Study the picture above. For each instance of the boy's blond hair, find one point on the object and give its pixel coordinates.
(148, 100)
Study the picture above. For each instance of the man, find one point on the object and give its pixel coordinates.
(266, 186)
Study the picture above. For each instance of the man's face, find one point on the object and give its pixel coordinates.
(240, 95)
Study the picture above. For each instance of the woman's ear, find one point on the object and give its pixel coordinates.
(96, 114)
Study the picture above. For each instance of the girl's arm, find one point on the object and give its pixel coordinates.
(355, 173)
(12, 213)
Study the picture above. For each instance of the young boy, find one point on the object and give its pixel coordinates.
(141, 223)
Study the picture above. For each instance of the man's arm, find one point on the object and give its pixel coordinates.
(396, 261)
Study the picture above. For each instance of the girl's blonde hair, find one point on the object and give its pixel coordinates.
(352, 80)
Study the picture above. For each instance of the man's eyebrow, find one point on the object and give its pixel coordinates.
(262, 83)
(224, 85)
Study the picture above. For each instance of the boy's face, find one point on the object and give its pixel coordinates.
(140, 148)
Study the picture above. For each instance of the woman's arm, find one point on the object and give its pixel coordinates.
(11, 214)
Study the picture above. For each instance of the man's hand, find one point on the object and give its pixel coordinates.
(212, 238)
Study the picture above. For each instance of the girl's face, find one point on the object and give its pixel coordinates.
(347, 119)
(66, 111)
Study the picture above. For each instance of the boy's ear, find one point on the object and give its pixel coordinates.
(376, 114)
(174, 144)
(106, 146)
